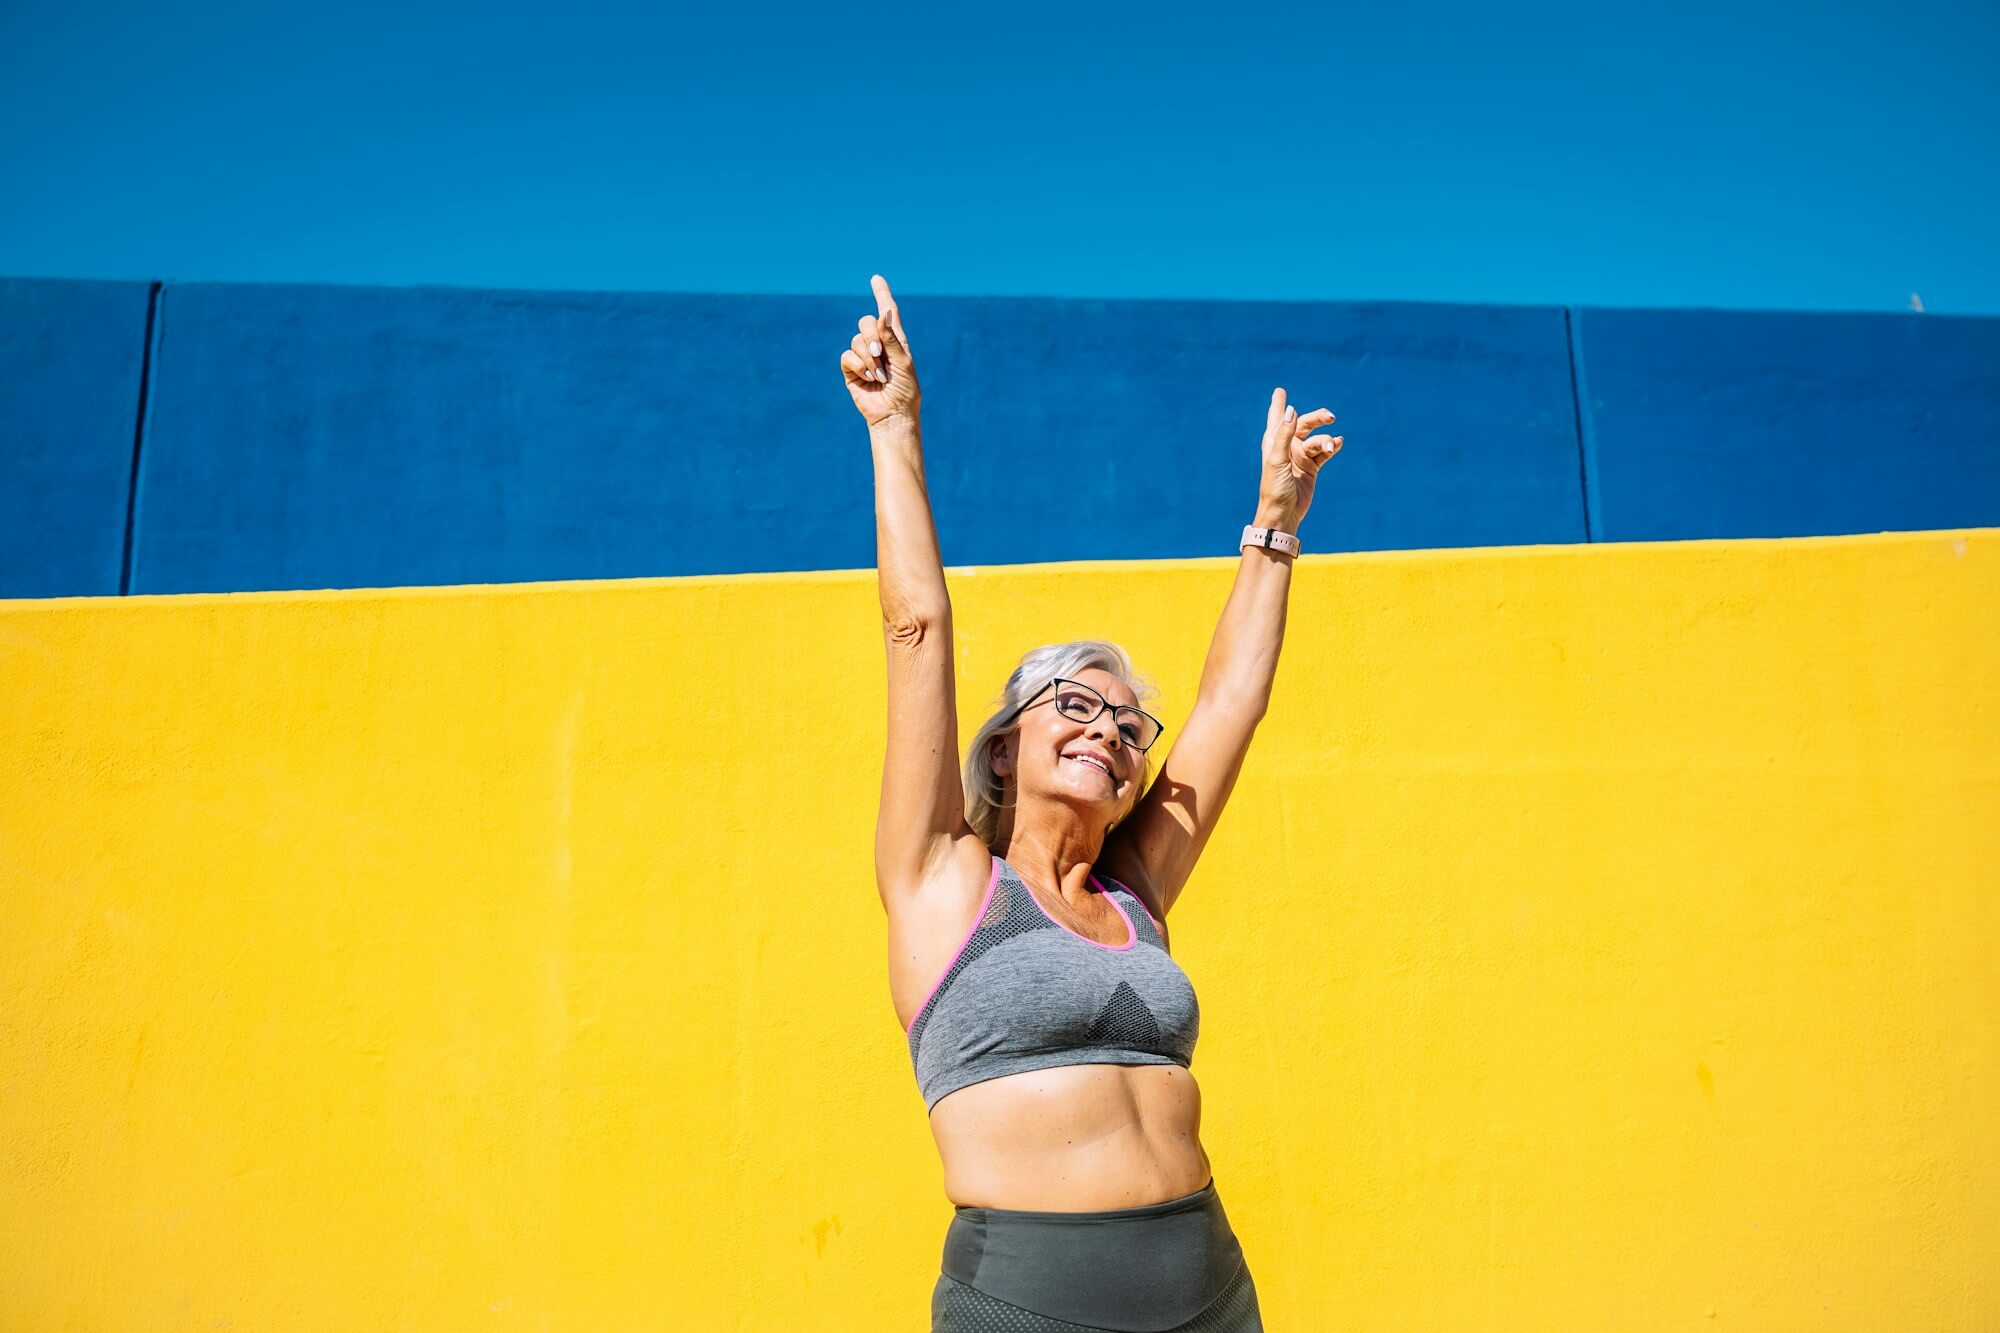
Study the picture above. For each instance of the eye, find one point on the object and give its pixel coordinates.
(1130, 731)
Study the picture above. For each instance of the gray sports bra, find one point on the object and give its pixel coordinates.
(1026, 992)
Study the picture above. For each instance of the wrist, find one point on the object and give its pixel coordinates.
(1272, 539)
(1270, 516)
(895, 426)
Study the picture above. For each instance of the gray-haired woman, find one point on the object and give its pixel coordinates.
(1050, 1029)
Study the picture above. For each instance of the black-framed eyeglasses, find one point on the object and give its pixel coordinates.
(1079, 703)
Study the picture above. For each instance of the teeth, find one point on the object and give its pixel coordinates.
(1086, 759)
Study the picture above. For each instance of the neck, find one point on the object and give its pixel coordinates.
(1055, 857)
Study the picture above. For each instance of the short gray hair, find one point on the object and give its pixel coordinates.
(986, 793)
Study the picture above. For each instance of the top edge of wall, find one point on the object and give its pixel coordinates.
(1023, 298)
(1575, 550)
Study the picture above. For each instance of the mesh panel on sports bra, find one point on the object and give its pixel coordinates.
(1011, 912)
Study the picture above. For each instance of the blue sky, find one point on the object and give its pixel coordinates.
(1754, 155)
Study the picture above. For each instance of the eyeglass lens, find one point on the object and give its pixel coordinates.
(1080, 703)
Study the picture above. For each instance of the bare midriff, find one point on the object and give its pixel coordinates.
(1075, 1138)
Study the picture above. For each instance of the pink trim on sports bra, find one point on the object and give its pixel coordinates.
(1137, 899)
(977, 917)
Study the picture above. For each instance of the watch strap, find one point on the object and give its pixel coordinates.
(1271, 539)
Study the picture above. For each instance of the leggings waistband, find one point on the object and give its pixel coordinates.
(1187, 1203)
(1137, 1270)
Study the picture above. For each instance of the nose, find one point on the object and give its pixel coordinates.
(1105, 727)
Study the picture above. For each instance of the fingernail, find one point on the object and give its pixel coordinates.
(874, 348)
(1291, 412)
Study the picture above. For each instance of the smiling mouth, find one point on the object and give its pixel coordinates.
(1088, 762)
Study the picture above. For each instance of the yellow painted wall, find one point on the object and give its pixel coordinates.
(1600, 937)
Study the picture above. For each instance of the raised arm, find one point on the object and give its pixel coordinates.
(923, 806)
(1154, 849)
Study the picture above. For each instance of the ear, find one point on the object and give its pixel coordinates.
(997, 749)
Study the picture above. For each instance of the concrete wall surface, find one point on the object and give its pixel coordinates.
(1710, 423)
(298, 437)
(1600, 936)
(71, 358)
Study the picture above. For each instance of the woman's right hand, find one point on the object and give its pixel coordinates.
(881, 378)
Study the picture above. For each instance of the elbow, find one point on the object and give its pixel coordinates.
(908, 625)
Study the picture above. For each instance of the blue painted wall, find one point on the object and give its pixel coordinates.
(71, 355)
(324, 436)
(1701, 423)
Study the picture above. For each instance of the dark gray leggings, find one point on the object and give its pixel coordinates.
(1171, 1267)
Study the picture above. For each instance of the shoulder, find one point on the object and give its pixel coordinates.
(956, 866)
(952, 890)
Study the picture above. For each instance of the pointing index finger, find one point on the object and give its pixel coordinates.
(885, 309)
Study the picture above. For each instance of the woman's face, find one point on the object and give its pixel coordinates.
(1051, 755)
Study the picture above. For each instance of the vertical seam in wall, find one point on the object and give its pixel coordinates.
(1585, 443)
(139, 436)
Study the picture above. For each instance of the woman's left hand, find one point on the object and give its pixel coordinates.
(1293, 456)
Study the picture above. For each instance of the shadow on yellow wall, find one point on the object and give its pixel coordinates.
(1599, 937)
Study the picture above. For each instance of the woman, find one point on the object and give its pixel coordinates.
(1050, 1029)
